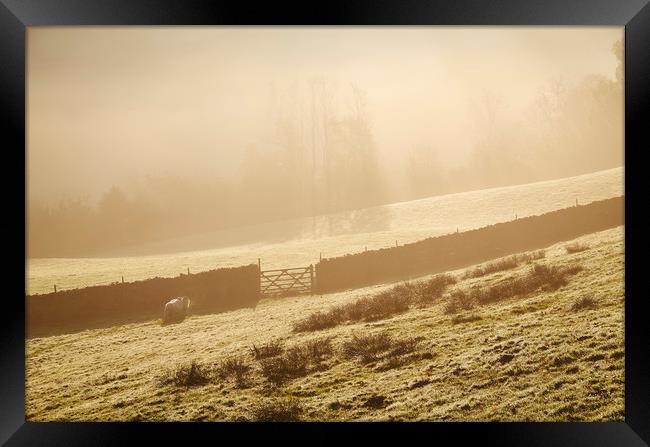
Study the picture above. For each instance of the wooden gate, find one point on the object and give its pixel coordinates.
(284, 282)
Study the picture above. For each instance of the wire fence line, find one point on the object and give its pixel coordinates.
(57, 288)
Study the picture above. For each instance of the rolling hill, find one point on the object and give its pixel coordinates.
(545, 354)
(302, 241)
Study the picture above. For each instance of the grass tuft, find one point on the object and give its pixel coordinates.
(267, 350)
(502, 264)
(367, 348)
(296, 361)
(278, 410)
(575, 247)
(584, 303)
(431, 290)
(373, 347)
(319, 349)
(460, 300)
(540, 276)
(385, 304)
(236, 368)
(192, 374)
(317, 321)
(280, 369)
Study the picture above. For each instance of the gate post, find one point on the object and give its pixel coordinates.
(311, 279)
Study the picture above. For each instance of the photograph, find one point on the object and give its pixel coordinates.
(325, 223)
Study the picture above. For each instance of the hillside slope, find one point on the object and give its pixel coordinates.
(300, 242)
(533, 357)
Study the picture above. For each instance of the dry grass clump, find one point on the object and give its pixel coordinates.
(297, 361)
(318, 350)
(507, 263)
(385, 304)
(318, 321)
(460, 300)
(278, 410)
(404, 346)
(192, 374)
(431, 290)
(282, 368)
(377, 401)
(540, 276)
(382, 305)
(367, 347)
(575, 247)
(584, 303)
(491, 267)
(373, 347)
(236, 368)
(270, 349)
(548, 278)
(534, 255)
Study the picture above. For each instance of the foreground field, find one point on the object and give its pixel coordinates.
(552, 354)
(300, 242)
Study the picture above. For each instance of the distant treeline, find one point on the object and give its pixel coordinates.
(567, 129)
(459, 250)
(314, 163)
(98, 306)
(322, 157)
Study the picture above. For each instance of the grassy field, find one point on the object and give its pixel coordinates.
(300, 242)
(548, 354)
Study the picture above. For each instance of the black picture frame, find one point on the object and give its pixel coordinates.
(634, 15)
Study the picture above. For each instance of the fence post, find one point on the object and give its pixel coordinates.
(122, 279)
(54, 288)
(188, 270)
(311, 275)
(259, 264)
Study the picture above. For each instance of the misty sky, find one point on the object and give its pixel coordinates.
(108, 105)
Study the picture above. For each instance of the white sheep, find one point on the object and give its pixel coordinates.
(176, 309)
